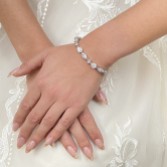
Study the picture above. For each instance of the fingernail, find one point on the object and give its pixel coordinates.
(15, 126)
(88, 152)
(20, 142)
(99, 143)
(103, 97)
(53, 144)
(72, 152)
(30, 146)
(48, 141)
(13, 71)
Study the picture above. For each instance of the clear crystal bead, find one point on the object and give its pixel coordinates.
(79, 49)
(84, 56)
(100, 70)
(93, 65)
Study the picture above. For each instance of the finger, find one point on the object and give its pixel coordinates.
(62, 125)
(46, 124)
(33, 119)
(25, 107)
(29, 66)
(69, 144)
(100, 97)
(82, 139)
(87, 121)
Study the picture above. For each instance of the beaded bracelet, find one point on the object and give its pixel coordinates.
(92, 64)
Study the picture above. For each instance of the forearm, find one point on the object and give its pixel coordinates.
(22, 28)
(128, 32)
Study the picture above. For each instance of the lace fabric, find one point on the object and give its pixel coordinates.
(125, 140)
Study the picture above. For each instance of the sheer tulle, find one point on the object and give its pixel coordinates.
(133, 123)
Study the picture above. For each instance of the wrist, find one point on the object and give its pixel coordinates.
(26, 54)
(103, 45)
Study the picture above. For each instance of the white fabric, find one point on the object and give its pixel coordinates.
(134, 123)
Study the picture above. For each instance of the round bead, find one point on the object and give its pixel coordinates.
(93, 65)
(79, 49)
(84, 56)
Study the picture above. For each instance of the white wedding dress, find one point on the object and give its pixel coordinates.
(134, 123)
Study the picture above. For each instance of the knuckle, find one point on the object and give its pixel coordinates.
(84, 143)
(18, 118)
(79, 104)
(84, 117)
(50, 92)
(65, 122)
(58, 131)
(23, 134)
(24, 106)
(41, 83)
(37, 137)
(33, 118)
(48, 121)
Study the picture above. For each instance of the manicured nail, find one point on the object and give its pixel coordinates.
(30, 146)
(15, 126)
(53, 144)
(99, 143)
(88, 152)
(103, 97)
(13, 71)
(48, 141)
(20, 142)
(72, 152)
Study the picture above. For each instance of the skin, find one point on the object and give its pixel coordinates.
(125, 31)
(29, 45)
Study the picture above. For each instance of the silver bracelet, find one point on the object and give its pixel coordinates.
(92, 64)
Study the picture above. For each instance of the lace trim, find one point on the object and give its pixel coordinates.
(7, 133)
(16, 95)
(125, 149)
(100, 11)
(153, 58)
(2, 33)
(131, 2)
(42, 8)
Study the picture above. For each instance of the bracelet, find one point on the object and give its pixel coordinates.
(92, 64)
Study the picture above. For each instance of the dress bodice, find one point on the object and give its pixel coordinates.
(134, 87)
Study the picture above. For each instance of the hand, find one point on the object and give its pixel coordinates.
(83, 127)
(76, 73)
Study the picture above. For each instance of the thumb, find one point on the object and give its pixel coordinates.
(28, 67)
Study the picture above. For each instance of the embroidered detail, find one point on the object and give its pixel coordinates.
(100, 11)
(125, 149)
(2, 33)
(153, 58)
(131, 2)
(42, 8)
(7, 135)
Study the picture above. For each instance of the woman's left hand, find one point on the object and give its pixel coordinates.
(62, 90)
